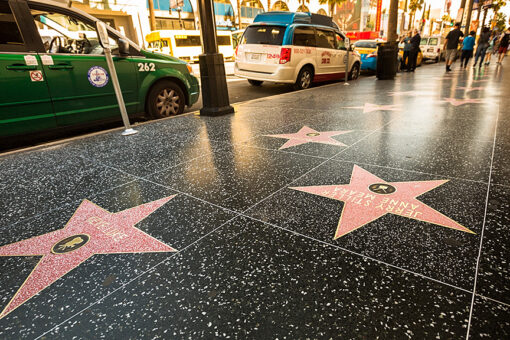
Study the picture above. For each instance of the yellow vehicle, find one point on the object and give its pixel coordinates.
(419, 60)
(186, 45)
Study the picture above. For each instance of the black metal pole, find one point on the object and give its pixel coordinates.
(215, 101)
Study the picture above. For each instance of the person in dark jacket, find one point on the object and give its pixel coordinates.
(407, 48)
(451, 44)
(483, 45)
(415, 48)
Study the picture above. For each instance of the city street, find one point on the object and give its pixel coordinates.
(375, 210)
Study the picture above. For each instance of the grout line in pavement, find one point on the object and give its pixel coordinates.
(493, 300)
(407, 170)
(483, 230)
(137, 277)
(360, 255)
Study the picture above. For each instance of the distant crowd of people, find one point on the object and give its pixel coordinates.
(489, 43)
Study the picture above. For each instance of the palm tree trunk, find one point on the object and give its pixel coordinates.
(268, 5)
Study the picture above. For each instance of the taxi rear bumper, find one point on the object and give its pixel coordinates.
(282, 74)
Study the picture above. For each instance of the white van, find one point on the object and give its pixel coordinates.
(295, 48)
(433, 48)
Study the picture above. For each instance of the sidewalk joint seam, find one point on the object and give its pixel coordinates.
(483, 230)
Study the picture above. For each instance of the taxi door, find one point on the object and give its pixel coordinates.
(25, 104)
(328, 57)
(342, 54)
(76, 70)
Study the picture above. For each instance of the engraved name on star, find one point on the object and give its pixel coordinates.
(368, 197)
(309, 135)
(91, 230)
(458, 102)
(368, 107)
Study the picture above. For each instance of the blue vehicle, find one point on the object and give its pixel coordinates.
(367, 49)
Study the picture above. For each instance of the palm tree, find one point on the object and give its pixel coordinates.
(332, 4)
(303, 3)
(414, 5)
(497, 5)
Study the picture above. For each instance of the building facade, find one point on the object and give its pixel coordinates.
(131, 17)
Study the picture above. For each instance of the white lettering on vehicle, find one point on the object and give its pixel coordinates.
(146, 67)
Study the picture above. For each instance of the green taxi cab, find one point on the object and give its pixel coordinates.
(53, 72)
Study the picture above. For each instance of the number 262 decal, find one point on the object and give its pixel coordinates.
(146, 67)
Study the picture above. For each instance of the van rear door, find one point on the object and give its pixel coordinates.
(259, 49)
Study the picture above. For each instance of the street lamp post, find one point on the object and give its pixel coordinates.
(215, 101)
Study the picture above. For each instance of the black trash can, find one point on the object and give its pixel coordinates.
(387, 59)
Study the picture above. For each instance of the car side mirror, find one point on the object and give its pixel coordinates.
(347, 44)
(123, 47)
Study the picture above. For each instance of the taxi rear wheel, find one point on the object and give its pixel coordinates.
(304, 79)
(165, 99)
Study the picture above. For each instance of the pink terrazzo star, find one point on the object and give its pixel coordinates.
(457, 102)
(469, 89)
(367, 197)
(368, 107)
(309, 135)
(91, 230)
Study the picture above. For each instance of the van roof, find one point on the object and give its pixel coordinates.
(283, 17)
(288, 18)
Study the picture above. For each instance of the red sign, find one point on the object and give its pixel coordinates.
(378, 16)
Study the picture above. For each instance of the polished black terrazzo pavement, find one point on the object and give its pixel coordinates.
(257, 256)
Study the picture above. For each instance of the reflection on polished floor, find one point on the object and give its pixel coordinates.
(377, 210)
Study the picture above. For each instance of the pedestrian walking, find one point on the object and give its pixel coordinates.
(413, 53)
(467, 49)
(483, 45)
(492, 48)
(407, 48)
(451, 45)
(503, 45)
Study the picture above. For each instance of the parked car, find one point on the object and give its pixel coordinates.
(419, 59)
(367, 50)
(433, 48)
(294, 48)
(54, 75)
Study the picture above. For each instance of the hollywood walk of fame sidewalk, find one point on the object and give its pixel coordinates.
(381, 209)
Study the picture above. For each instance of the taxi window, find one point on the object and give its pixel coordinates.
(365, 44)
(10, 35)
(340, 42)
(325, 39)
(61, 33)
(304, 36)
(433, 41)
(267, 35)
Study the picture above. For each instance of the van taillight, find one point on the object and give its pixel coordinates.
(236, 52)
(285, 55)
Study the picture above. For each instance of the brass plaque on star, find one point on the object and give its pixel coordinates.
(313, 134)
(382, 188)
(70, 243)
